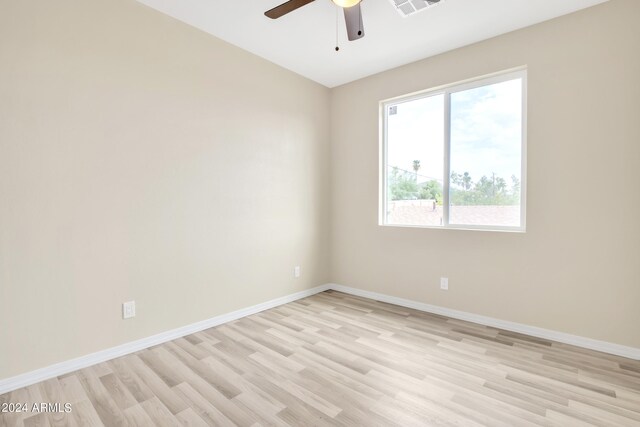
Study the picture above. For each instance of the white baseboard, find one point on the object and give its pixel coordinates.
(29, 378)
(592, 344)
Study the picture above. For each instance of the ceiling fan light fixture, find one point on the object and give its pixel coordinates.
(346, 3)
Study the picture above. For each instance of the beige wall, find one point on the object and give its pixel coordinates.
(143, 159)
(577, 269)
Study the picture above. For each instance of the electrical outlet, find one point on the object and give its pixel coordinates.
(128, 309)
(296, 271)
(444, 283)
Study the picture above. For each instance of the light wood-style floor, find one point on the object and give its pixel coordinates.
(335, 359)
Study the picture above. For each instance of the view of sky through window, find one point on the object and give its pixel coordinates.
(417, 133)
(486, 129)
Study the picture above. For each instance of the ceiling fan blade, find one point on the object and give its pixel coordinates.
(285, 8)
(353, 19)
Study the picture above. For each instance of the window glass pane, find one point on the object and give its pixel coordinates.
(485, 156)
(415, 162)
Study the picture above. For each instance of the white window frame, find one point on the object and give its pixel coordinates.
(447, 90)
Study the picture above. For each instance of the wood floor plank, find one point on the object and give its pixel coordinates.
(85, 414)
(137, 417)
(37, 420)
(295, 409)
(118, 392)
(72, 389)
(100, 398)
(217, 381)
(341, 360)
(606, 416)
(138, 389)
(262, 408)
(52, 393)
(156, 385)
(191, 347)
(440, 410)
(209, 393)
(159, 414)
(208, 412)
(189, 418)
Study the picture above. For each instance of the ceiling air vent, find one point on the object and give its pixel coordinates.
(409, 7)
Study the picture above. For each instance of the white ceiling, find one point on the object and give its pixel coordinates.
(303, 41)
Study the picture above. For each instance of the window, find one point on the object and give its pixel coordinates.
(454, 157)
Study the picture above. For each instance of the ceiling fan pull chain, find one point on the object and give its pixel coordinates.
(359, 21)
(337, 21)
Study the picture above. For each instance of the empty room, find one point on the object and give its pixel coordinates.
(319, 213)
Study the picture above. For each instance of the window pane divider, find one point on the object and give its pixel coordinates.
(447, 164)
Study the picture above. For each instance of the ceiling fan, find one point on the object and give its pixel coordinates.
(352, 14)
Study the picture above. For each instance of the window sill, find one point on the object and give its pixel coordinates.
(521, 230)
